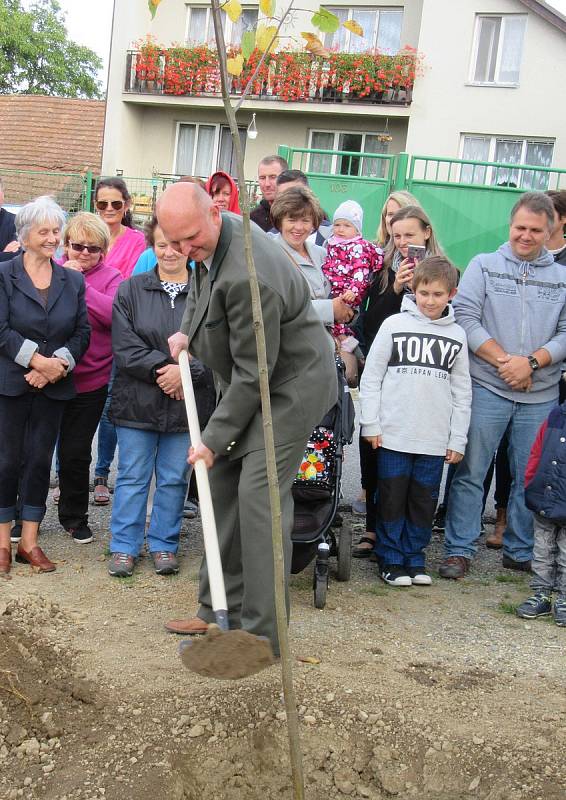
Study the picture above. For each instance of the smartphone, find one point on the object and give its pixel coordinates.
(416, 253)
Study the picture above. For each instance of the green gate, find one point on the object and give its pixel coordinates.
(338, 175)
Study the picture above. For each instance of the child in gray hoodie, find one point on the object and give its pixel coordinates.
(416, 398)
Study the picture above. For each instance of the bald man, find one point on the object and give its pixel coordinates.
(218, 329)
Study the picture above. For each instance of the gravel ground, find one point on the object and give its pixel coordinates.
(438, 692)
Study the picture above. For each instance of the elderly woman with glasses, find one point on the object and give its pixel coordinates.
(86, 239)
(112, 202)
(44, 332)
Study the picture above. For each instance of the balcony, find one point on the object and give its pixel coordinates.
(366, 79)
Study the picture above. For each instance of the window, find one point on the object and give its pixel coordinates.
(506, 150)
(382, 30)
(498, 49)
(203, 149)
(351, 142)
(200, 27)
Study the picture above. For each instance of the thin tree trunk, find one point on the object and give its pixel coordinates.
(274, 498)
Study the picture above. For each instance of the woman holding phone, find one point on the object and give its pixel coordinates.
(412, 239)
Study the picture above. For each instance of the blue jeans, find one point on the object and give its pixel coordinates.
(406, 496)
(140, 453)
(106, 437)
(491, 414)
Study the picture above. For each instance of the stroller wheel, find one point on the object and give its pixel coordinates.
(320, 590)
(344, 553)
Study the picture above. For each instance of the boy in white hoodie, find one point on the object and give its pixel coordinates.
(416, 398)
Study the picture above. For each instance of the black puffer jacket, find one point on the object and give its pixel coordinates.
(142, 321)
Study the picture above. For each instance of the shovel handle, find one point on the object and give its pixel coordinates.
(213, 561)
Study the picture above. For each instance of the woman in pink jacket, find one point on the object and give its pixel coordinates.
(86, 241)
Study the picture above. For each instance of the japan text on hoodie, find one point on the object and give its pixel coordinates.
(416, 389)
(520, 304)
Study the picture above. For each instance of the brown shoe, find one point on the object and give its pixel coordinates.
(495, 541)
(101, 492)
(454, 567)
(5, 560)
(35, 558)
(187, 627)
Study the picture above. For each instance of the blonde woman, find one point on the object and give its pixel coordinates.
(394, 202)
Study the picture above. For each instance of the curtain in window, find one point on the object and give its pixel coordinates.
(185, 150)
(374, 167)
(507, 151)
(511, 49)
(368, 20)
(226, 150)
(476, 148)
(246, 22)
(488, 42)
(205, 151)
(320, 140)
(389, 31)
(337, 41)
(538, 154)
(197, 32)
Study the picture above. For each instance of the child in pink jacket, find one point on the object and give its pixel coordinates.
(349, 267)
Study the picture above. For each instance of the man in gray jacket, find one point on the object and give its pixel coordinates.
(219, 331)
(511, 304)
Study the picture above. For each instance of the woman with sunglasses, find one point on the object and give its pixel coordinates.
(112, 202)
(86, 239)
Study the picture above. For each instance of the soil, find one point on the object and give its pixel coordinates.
(428, 692)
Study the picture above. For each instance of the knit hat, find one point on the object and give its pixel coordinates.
(352, 212)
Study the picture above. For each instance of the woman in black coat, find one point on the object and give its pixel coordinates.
(149, 413)
(44, 331)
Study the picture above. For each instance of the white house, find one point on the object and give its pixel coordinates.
(490, 88)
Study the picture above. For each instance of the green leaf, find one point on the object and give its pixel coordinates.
(325, 21)
(248, 44)
(152, 4)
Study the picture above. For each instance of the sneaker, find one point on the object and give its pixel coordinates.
(539, 605)
(121, 565)
(190, 509)
(439, 519)
(395, 575)
(419, 576)
(165, 563)
(82, 534)
(559, 611)
(519, 566)
(16, 532)
(454, 567)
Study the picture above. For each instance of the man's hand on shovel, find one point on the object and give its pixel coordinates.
(201, 452)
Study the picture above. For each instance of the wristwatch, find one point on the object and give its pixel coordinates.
(533, 363)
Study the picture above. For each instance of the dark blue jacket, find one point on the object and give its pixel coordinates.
(24, 321)
(545, 494)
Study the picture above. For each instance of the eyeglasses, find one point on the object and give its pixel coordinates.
(90, 248)
(102, 205)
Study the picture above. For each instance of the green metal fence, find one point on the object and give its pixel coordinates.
(468, 202)
(338, 175)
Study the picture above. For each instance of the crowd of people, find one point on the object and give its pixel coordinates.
(458, 372)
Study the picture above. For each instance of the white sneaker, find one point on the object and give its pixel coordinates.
(395, 575)
(419, 577)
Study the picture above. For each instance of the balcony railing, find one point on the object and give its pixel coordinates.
(369, 78)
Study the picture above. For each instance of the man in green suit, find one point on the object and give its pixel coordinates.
(218, 330)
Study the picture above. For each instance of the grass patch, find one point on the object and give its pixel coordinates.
(377, 591)
(507, 608)
(504, 578)
(127, 582)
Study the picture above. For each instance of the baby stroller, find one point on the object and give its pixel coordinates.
(316, 492)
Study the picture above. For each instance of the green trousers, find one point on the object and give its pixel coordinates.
(243, 519)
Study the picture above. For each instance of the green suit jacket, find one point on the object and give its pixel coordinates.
(218, 322)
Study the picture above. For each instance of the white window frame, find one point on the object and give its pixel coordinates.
(228, 24)
(494, 138)
(216, 146)
(476, 44)
(352, 10)
(337, 134)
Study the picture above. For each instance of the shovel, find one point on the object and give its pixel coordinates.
(222, 653)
